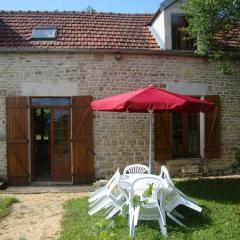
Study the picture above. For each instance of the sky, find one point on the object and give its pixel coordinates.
(121, 6)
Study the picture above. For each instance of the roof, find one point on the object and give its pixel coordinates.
(166, 3)
(229, 39)
(78, 30)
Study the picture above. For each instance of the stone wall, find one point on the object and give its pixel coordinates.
(121, 138)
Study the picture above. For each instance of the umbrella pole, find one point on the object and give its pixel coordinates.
(150, 141)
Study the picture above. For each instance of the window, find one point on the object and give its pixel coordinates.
(177, 135)
(43, 33)
(41, 119)
(185, 135)
(52, 101)
(179, 40)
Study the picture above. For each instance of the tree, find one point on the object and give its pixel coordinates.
(89, 9)
(216, 26)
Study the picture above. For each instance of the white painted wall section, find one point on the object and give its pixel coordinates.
(161, 27)
(202, 133)
(158, 30)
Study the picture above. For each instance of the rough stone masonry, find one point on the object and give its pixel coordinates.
(122, 138)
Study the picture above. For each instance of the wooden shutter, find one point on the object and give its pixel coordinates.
(17, 140)
(163, 136)
(82, 140)
(212, 129)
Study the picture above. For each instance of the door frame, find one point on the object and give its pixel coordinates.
(31, 147)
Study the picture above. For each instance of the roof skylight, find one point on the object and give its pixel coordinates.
(44, 33)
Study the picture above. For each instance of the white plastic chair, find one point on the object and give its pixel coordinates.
(101, 192)
(136, 169)
(152, 209)
(174, 197)
(111, 203)
(109, 197)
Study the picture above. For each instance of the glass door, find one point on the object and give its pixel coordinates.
(60, 145)
(186, 135)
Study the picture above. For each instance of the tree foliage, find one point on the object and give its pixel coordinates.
(215, 24)
(89, 9)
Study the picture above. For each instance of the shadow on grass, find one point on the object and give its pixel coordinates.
(219, 190)
(77, 224)
(193, 220)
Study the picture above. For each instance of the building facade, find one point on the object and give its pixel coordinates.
(48, 132)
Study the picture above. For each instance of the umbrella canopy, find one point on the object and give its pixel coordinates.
(151, 98)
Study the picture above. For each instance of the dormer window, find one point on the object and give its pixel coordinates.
(179, 41)
(44, 33)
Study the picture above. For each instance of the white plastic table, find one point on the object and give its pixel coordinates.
(127, 180)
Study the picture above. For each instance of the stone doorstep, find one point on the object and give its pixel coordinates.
(184, 161)
(187, 175)
(189, 170)
(185, 167)
(47, 189)
(89, 188)
(50, 183)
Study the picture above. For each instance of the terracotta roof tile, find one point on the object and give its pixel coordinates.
(230, 38)
(78, 30)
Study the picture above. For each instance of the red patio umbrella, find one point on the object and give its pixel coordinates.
(151, 99)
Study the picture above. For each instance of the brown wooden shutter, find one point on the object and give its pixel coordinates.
(163, 136)
(212, 129)
(17, 140)
(82, 140)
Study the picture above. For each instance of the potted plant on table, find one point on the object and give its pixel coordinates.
(145, 198)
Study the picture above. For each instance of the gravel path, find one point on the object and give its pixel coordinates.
(36, 216)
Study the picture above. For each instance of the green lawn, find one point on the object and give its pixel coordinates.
(5, 206)
(220, 218)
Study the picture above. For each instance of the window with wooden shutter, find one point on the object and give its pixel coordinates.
(162, 136)
(82, 140)
(17, 140)
(212, 129)
(185, 135)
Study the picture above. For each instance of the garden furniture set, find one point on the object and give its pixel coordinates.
(147, 197)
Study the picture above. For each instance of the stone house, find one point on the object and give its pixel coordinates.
(53, 64)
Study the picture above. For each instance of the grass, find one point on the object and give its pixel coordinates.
(219, 220)
(5, 206)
